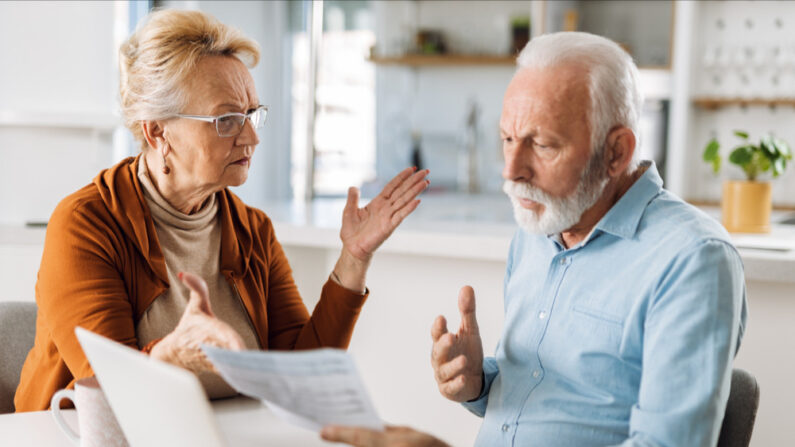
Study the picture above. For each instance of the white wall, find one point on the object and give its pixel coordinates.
(59, 90)
(736, 27)
(58, 68)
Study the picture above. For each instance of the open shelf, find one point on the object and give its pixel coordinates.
(712, 103)
(417, 60)
(103, 122)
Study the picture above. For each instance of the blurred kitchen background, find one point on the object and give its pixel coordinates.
(358, 90)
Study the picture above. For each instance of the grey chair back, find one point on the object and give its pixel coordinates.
(17, 332)
(738, 423)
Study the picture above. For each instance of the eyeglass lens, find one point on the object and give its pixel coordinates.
(232, 125)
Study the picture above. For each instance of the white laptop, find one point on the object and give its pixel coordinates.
(156, 404)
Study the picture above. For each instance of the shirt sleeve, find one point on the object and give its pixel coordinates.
(692, 331)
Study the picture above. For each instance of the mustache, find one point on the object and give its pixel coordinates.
(521, 190)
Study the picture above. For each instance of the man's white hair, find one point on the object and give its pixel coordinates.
(616, 99)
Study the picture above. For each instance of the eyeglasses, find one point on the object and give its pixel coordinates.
(231, 124)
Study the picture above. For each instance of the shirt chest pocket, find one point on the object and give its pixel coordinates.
(597, 332)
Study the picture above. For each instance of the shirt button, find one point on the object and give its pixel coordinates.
(542, 315)
(562, 261)
(505, 427)
(536, 373)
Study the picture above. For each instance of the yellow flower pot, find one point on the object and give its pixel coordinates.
(746, 206)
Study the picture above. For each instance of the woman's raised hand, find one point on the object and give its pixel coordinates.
(197, 326)
(365, 229)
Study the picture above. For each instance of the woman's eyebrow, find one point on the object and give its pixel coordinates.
(235, 107)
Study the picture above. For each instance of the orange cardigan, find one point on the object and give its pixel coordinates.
(102, 267)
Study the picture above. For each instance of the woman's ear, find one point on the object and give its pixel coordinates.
(619, 149)
(154, 133)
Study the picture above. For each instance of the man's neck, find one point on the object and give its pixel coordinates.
(614, 189)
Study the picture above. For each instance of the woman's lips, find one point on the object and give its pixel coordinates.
(243, 161)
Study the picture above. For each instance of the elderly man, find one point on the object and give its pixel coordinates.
(624, 306)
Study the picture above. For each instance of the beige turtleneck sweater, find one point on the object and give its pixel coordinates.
(191, 243)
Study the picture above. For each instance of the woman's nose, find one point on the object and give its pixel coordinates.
(248, 136)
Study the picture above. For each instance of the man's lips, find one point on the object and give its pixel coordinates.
(243, 161)
(527, 203)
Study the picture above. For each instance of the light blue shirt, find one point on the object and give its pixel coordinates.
(625, 339)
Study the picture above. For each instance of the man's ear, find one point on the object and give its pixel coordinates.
(154, 133)
(619, 148)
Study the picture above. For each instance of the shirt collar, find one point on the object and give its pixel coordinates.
(623, 218)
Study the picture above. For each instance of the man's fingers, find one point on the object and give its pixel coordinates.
(451, 369)
(452, 388)
(200, 295)
(438, 328)
(466, 305)
(358, 437)
(441, 350)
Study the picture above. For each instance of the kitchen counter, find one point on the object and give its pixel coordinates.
(462, 226)
(480, 227)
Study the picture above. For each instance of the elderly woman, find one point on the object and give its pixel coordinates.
(117, 251)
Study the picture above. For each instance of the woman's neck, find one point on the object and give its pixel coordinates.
(184, 197)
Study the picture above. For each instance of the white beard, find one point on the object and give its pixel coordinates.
(559, 213)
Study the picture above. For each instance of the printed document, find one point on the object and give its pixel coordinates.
(310, 389)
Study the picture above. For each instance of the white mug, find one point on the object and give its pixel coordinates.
(98, 426)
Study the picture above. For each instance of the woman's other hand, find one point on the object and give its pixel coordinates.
(197, 326)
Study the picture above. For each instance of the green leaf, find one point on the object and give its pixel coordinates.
(711, 150)
(768, 147)
(741, 134)
(783, 148)
(741, 156)
(716, 165)
(762, 161)
(778, 167)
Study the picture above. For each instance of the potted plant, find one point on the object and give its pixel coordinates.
(746, 205)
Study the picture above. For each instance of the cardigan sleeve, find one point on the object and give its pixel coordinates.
(290, 324)
(79, 284)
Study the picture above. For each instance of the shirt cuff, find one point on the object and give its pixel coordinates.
(478, 405)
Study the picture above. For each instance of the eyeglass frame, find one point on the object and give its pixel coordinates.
(214, 119)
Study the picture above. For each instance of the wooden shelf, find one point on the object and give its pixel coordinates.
(418, 60)
(718, 102)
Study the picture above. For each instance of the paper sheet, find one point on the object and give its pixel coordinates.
(310, 389)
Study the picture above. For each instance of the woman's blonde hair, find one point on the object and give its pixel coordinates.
(157, 59)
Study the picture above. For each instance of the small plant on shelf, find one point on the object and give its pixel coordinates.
(746, 205)
(770, 154)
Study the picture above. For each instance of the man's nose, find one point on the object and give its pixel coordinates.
(516, 167)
